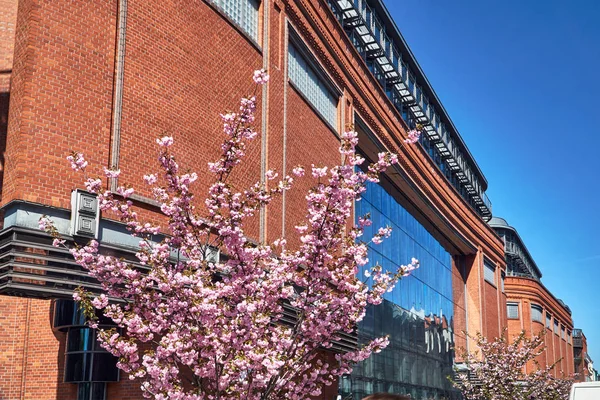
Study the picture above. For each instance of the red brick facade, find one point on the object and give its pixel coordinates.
(526, 292)
(583, 363)
(184, 63)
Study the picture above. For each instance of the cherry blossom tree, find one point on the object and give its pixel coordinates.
(497, 371)
(194, 327)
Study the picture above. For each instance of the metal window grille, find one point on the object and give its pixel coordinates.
(243, 12)
(489, 272)
(536, 313)
(512, 310)
(308, 82)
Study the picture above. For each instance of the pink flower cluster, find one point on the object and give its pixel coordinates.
(504, 370)
(413, 136)
(225, 323)
(260, 77)
(78, 163)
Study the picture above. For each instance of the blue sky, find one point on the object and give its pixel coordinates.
(521, 81)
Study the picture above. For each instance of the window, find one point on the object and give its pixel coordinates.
(556, 327)
(536, 313)
(512, 310)
(243, 12)
(569, 337)
(86, 361)
(91, 391)
(563, 333)
(489, 272)
(303, 74)
(548, 320)
(502, 278)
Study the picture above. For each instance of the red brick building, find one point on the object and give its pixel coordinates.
(531, 307)
(584, 366)
(108, 77)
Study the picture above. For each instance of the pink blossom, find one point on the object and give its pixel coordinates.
(112, 173)
(93, 185)
(270, 175)
(298, 171)
(44, 223)
(150, 179)
(77, 161)
(260, 77)
(413, 136)
(177, 320)
(165, 141)
(319, 172)
(100, 301)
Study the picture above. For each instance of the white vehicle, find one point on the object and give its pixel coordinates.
(585, 391)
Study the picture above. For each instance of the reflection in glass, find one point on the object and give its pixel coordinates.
(418, 315)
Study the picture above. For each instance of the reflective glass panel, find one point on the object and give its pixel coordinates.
(418, 315)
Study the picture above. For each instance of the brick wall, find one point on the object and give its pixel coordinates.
(525, 292)
(8, 22)
(184, 64)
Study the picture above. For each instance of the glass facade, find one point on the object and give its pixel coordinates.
(417, 315)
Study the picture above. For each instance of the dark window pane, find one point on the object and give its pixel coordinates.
(83, 391)
(105, 368)
(63, 312)
(80, 339)
(77, 367)
(98, 389)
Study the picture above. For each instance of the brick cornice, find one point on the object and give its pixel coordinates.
(517, 288)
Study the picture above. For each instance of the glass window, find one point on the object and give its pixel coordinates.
(86, 361)
(91, 391)
(80, 339)
(243, 12)
(536, 313)
(569, 337)
(303, 75)
(502, 278)
(563, 333)
(489, 272)
(512, 310)
(548, 320)
(417, 314)
(556, 327)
